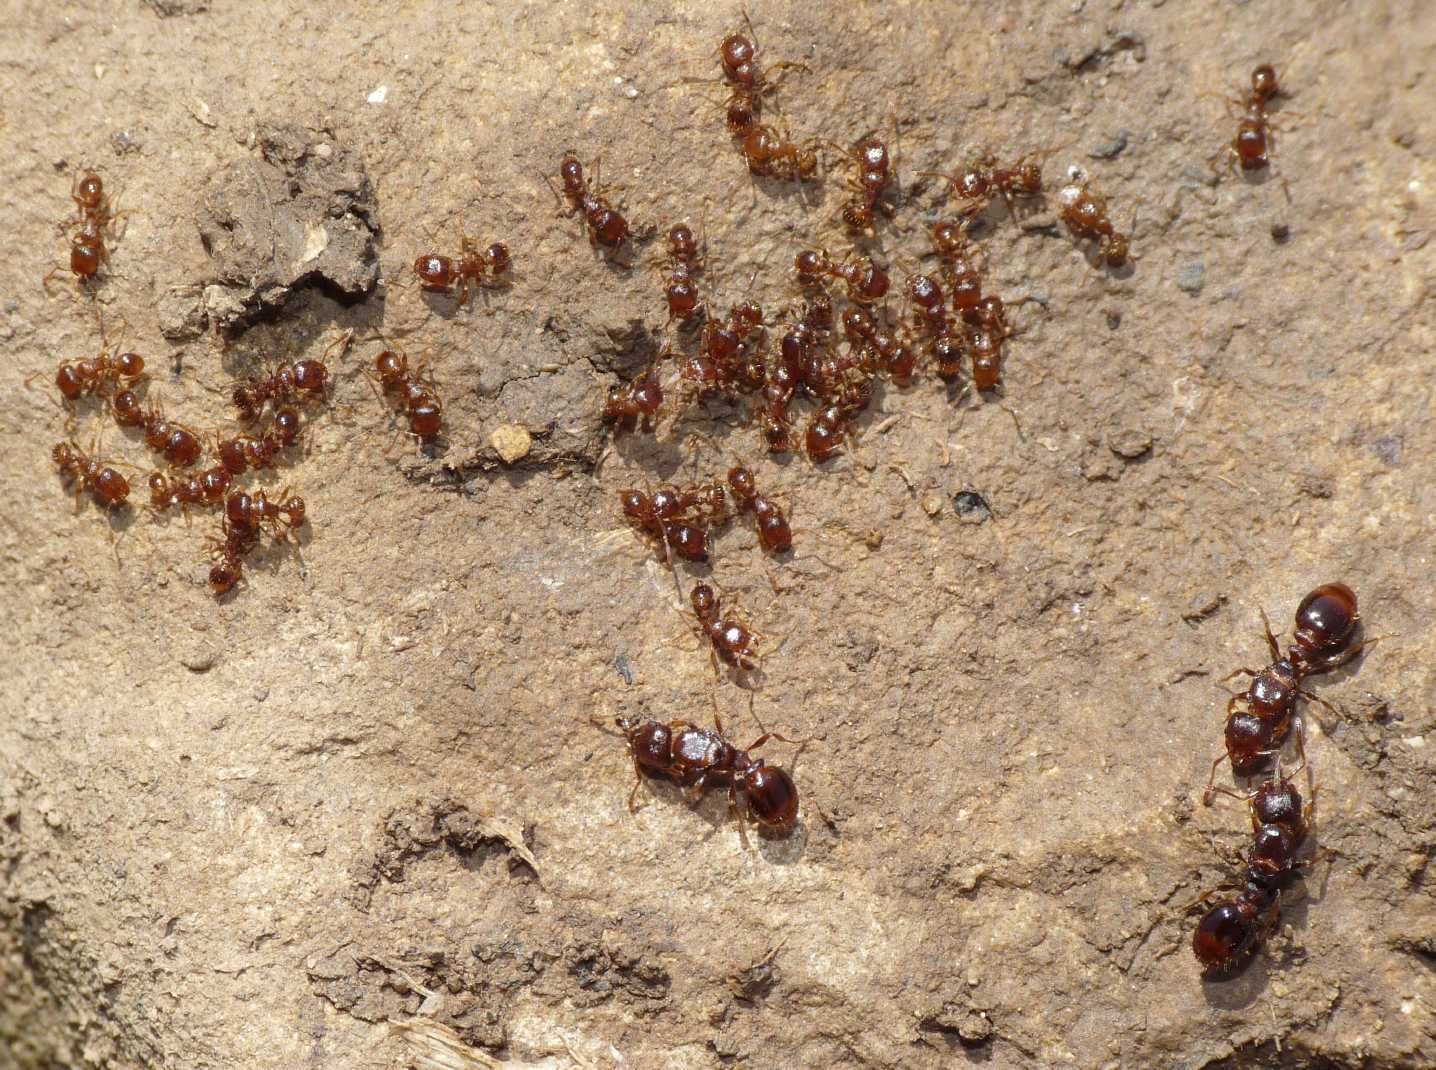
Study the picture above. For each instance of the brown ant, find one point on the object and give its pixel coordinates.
(236, 542)
(175, 442)
(729, 637)
(773, 531)
(634, 403)
(96, 216)
(1251, 147)
(677, 520)
(695, 758)
(100, 374)
(983, 179)
(303, 380)
(1260, 719)
(1230, 932)
(684, 262)
(874, 174)
(471, 270)
(606, 225)
(413, 390)
(207, 488)
(85, 473)
(747, 83)
(281, 514)
(865, 281)
(243, 452)
(771, 155)
(1085, 213)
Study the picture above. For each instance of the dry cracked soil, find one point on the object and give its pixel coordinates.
(356, 813)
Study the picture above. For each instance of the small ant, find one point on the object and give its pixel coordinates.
(84, 473)
(208, 488)
(242, 452)
(304, 380)
(694, 758)
(634, 403)
(1251, 147)
(874, 174)
(1230, 932)
(1259, 720)
(987, 331)
(677, 519)
(865, 281)
(414, 391)
(773, 531)
(983, 179)
(771, 155)
(730, 638)
(747, 84)
(606, 226)
(180, 446)
(231, 549)
(466, 272)
(1085, 213)
(96, 216)
(683, 263)
(281, 514)
(99, 374)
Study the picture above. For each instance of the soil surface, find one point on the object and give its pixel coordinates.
(356, 813)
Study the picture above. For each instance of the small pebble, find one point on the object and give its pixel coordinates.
(1130, 444)
(511, 442)
(201, 659)
(1111, 148)
(970, 507)
(1192, 278)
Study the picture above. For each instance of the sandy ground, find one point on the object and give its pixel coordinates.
(288, 829)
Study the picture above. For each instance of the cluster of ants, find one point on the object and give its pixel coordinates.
(1260, 722)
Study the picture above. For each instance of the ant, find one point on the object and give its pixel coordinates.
(180, 446)
(1259, 720)
(208, 488)
(466, 272)
(983, 179)
(865, 281)
(874, 174)
(281, 514)
(1085, 213)
(1251, 147)
(1230, 932)
(987, 330)
(677, 519)
(304, 380)
(730, 638)
(633, 403)
(694, 758)
(773, 531)
(606, 226)
(242, 452)
(98, 374)
(684, 262)
(101, 480)
(94, 212)
(236, 542)
(414, 391)
(771, 155)
(747, 84)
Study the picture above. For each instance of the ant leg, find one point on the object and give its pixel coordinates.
(637, 780)
(1238, 672)
(1270, 638)
(1212, 780)
(1211, 791)
(737, 812)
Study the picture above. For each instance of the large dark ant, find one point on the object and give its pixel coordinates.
(731, 639)
(280, 514)
(696, 758)
(172, 440)
(230, 549)
(773, 531)
(414, 391)
(1085, 213)
(472, 269)
(1260, 719)
(606, 225)
(865, 281)
(1230, 932)
(85, 473)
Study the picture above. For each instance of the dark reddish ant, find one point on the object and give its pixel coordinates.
(303, 380)
(1085, 213)
(235, 543)
(873, 176)
(243, 452)
(1229, 933)
(747, 84)
(281, 514)
(730, 638)
(865, 281)
(606, 226)
(773, 531)
(677, 520)
(683, 263)
(413, 391)
(634, 403)
(207, 488)
(695, 758)
(106, 484)
(472, 269)
(1260, 719)
(175, 442)
(98, 374)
